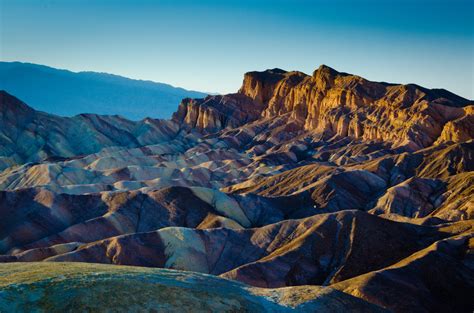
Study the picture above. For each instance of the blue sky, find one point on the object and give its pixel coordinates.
(208, 45)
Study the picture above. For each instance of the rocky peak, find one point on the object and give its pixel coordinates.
(260, 85)
(337, 103)
(325, 76)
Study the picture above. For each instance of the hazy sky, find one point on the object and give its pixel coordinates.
(208, 45)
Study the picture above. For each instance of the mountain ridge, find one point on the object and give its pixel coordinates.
(339, 104)
(66, 93)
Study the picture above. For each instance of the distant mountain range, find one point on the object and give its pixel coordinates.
(68, 93)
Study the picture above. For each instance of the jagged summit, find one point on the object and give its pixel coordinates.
(325, 71)
(334, 103)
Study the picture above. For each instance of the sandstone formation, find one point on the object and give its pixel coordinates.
(334, 189)
(346, 105)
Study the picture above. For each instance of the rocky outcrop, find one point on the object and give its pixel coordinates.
(260, 86)
(460, 129)
(217, 112)
(339, 104)
(445, 160)
(348, 105)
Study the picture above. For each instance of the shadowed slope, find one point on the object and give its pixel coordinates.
(317, 250)
(439, 278)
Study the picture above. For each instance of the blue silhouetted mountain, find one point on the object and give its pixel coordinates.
(68, 93)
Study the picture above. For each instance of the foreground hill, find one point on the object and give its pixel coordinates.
(326, 181)
(68, 93)
(98, 288)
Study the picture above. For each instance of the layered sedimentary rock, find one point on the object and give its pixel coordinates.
(330, 182)
(217, 112)
(35, 218)
(27, 135)
(460, 129)
(276, 255)
(414, 284)
(347, 105)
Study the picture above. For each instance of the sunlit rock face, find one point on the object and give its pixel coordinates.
(350, 106)
(364, 188)
(460, 129)
(340, 104)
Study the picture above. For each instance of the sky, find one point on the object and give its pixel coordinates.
(209, 45)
